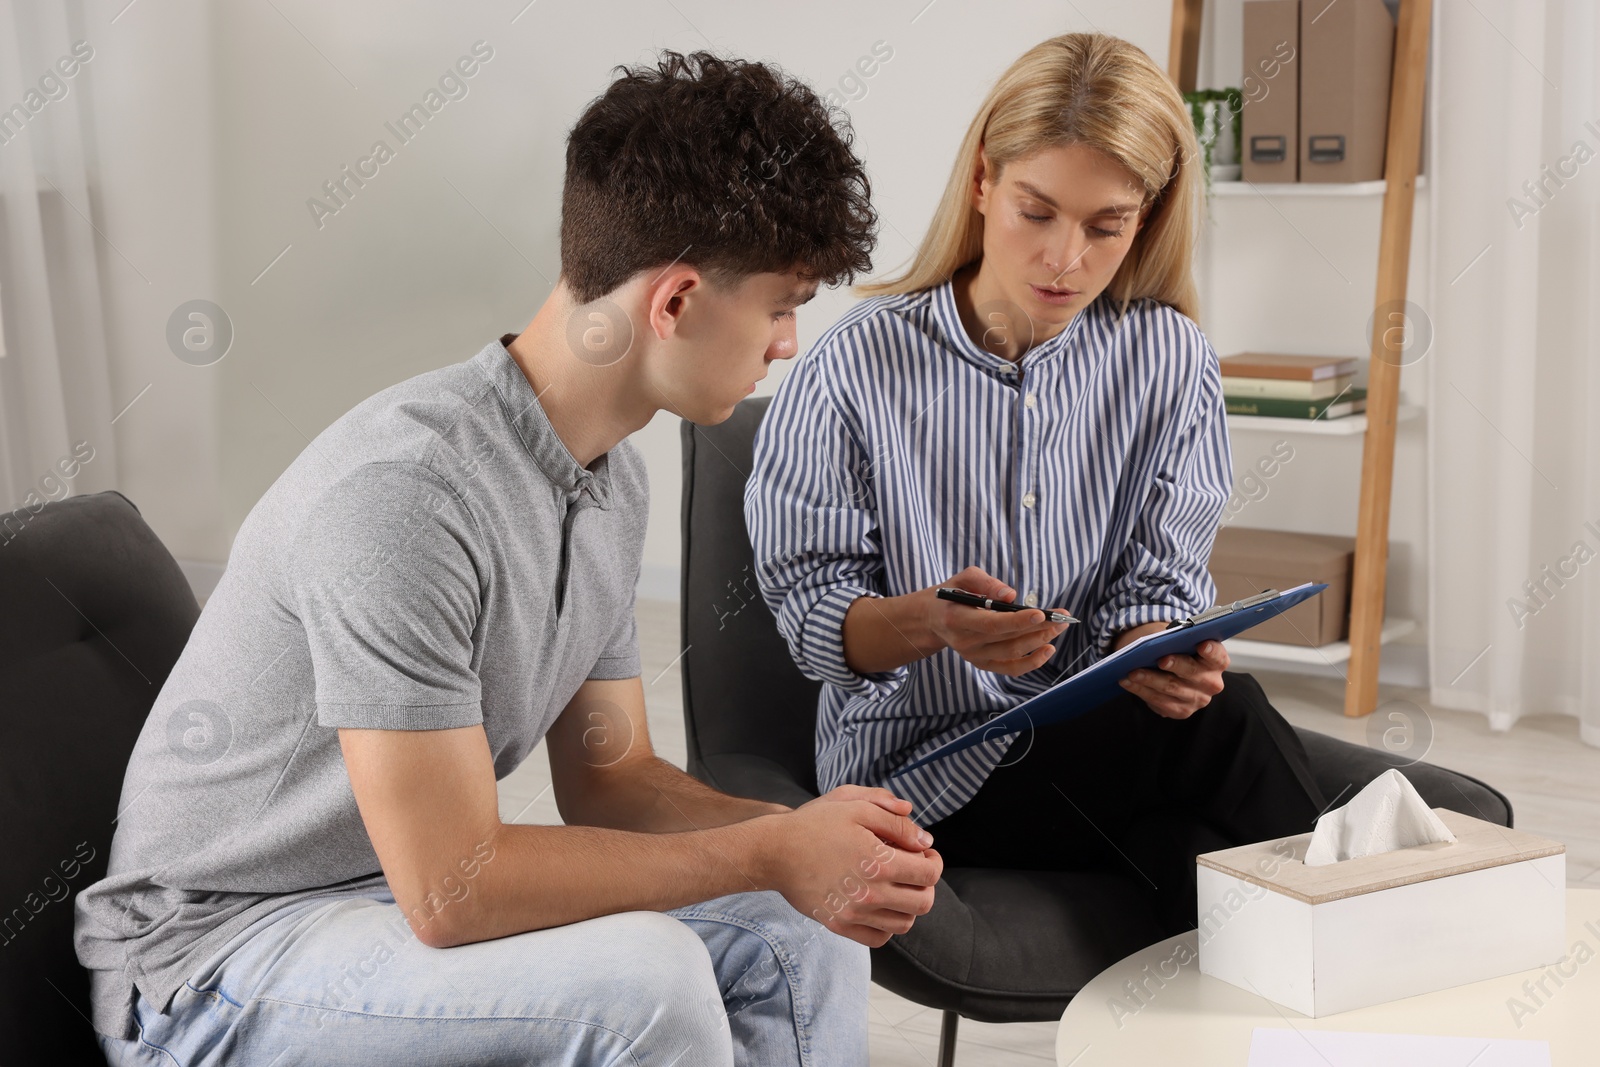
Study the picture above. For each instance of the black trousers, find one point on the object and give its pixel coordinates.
(1120, 788)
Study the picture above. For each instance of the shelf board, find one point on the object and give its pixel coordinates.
(1276, 189)
(1350, 424)
(1337, 652)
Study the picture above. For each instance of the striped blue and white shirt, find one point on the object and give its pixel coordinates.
(1091, 475)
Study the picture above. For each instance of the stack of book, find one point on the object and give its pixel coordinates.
(1291, 387)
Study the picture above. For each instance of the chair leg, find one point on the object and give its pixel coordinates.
(947, 1039)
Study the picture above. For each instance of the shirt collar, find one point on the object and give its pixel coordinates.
(533, 427)
(943, 301)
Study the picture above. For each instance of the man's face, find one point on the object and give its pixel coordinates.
(727, 340)
(1056, 226)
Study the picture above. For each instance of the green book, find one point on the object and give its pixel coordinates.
(1334, 407)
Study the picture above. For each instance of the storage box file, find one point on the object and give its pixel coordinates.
(1346, 66)
(1270, 120)
(1245, 561)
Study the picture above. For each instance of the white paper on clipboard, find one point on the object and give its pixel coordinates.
(1301, 1047)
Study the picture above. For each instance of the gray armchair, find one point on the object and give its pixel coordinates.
(999, 945)
(95, 613)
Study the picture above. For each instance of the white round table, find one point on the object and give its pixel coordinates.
(1196, 1020)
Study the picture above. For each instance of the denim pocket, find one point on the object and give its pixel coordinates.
(193, 1027)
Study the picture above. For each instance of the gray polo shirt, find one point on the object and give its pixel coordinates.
(436, 558)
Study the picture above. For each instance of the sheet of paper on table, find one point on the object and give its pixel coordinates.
(1275, 1047)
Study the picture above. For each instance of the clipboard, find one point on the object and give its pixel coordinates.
(1099, 682)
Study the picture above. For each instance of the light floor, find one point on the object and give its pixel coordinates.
(1552, 779)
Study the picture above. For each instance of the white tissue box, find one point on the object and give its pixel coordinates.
(1377, 928)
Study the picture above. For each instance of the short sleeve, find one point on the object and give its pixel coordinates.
(620, 659)
(382, 576)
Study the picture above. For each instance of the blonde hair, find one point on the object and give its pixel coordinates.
(1101, 92)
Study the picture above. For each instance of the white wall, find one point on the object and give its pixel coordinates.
(156, 202)
(218, 128)
(455, 240)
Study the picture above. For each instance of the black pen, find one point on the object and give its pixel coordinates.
(961, 596)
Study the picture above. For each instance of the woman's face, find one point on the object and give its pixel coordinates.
(1056, 227)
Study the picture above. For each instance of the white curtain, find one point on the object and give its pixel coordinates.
(1514, 375)
(54, 378)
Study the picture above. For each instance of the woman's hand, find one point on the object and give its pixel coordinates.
(1003, 642)
(1183, 684)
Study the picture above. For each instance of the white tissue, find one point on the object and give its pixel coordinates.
(1386, 815)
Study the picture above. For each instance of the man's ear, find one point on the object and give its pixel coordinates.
(669, 295)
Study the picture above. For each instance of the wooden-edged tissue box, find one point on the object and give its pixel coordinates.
(1377, 928)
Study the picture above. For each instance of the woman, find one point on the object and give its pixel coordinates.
(1029, 412)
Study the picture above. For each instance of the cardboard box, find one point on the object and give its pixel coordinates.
(1269, 135)
(1244, 562)
(1365, 931)
(1346, 61)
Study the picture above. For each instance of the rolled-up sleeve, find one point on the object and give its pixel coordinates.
(813, 523)
(1161, 573)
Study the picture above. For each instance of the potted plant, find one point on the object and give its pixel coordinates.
(1216, 125)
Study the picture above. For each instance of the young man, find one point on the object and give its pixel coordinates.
(309, 864)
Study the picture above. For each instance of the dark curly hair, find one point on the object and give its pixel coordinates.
(728, 165)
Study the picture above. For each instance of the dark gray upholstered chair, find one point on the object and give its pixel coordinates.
(93, 614)
(998, 946)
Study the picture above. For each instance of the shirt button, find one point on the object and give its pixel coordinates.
(1032, 599)
(1032, 401)
(1028, 500)
(1008, 368)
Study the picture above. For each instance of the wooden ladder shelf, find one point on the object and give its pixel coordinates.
(1401, 156)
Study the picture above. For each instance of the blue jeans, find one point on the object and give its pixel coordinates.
(342, 980)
